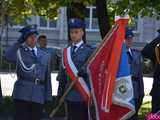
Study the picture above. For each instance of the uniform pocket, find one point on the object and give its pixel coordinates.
(41, 71)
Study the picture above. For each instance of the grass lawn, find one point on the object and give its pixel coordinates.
(7, 109)
(145, 109)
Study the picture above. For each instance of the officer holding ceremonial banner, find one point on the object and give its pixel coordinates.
(73, 68)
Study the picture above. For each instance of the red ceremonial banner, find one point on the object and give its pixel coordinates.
(102, 69)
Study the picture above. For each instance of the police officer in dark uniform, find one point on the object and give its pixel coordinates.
(135, 61)
(33, 86)
(80, 52)
(1, 96)
(151, 51)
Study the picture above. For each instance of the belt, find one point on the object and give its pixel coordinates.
(36, 81)
(39, 82)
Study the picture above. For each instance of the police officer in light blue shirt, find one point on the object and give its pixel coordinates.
(43, 42)
(80, 52)
(135, 61)
(33, 86)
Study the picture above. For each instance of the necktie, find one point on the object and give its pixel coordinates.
(129, 56)
(73, 49)
(33, 52)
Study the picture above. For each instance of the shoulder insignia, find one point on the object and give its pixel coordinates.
(24, 48)
(92, 46)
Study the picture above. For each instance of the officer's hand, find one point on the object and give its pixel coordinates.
(57, 100)
(81, 74)
(21, 39)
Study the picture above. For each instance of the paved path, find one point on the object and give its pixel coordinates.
(8, 80)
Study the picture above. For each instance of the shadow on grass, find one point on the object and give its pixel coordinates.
(7, 109)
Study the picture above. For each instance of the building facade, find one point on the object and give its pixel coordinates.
(56, 30)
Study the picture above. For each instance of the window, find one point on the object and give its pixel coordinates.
(20, 25)
(91, 19)
(45, 23)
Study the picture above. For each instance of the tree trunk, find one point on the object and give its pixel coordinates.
(103, 18)
(2, 28)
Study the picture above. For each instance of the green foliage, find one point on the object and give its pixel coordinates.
(77, 10)
(144, 110)
(136, 7)
(16, 9)
(70, 2)
(22, 9)
(19, 10)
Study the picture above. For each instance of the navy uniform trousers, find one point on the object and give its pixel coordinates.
(77, 110)
(1, 96)
(135, 61)
(25, 110)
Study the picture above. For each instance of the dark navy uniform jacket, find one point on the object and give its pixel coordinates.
(79, 58)
(25, 87)
(149, 52)
(1, 96)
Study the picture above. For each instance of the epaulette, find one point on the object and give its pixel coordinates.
(137, 50)
(157, 53)
(92, 46)
(45, 53)
(42, 51)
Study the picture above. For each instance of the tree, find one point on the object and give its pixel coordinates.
(141, 7)
(18, 10)
(76, 10)
(103, 18)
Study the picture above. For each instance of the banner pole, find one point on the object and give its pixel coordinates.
(53, 112)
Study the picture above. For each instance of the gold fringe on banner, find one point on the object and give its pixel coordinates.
(157, 53)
